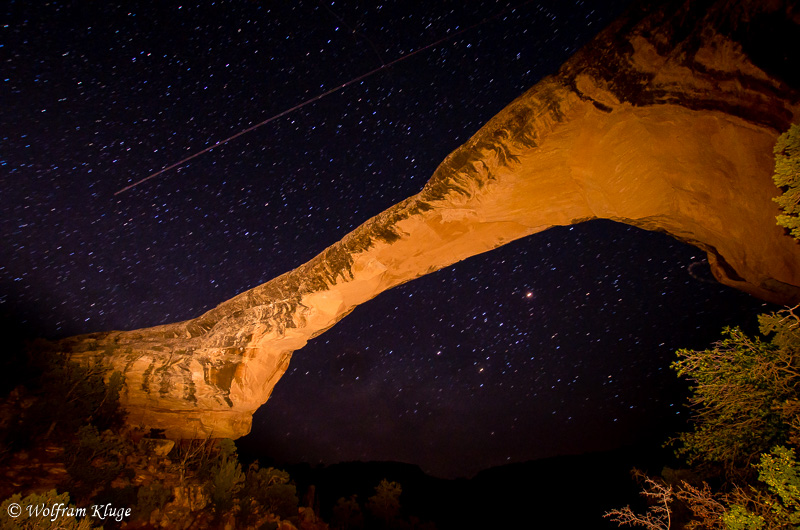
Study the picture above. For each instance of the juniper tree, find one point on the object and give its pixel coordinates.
(787, 177)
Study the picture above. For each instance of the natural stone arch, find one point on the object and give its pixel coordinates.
(662, 122)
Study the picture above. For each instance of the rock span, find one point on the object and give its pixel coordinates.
(666, 121)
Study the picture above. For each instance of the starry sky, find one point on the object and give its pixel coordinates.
(556, 344)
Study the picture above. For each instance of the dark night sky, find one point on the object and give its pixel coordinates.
(555, 344)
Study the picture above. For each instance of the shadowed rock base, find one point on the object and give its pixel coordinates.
(666, 121)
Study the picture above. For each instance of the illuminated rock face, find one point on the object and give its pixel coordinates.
(662, 122)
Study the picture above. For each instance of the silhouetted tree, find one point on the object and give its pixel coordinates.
(93, 460)
(384, 506)
(227, 479)
(658, 516)
(787, 177)
(66, 396)
(347, 514)
(745, 393)
(272, 489)
(746, 401)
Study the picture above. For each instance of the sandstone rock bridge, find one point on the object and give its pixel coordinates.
(665, 121)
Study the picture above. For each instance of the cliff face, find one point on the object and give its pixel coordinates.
(666, 121)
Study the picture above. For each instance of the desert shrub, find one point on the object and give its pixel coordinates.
(150, 497)
(384, 506)
(658, 516)
(775, 506)
(347, 514)
(66, 395)
(28, 519)
(227, 479)
(745, 392)
(195, 459)
(745, 397)
(272, 489)
(93, 460)
(787, 177)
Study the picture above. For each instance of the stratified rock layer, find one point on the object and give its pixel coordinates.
(665, 121)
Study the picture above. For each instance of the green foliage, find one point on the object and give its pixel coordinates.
(65, 519)
(227, 448)
(227, 479)
(385, 504)
(784, 327)
(738, 518)
(745, 399)
(780, 472)
(777, 506)
(744, 392)
(787, 177)
(272, 489)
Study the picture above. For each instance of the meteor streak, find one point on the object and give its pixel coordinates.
(315, 98)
